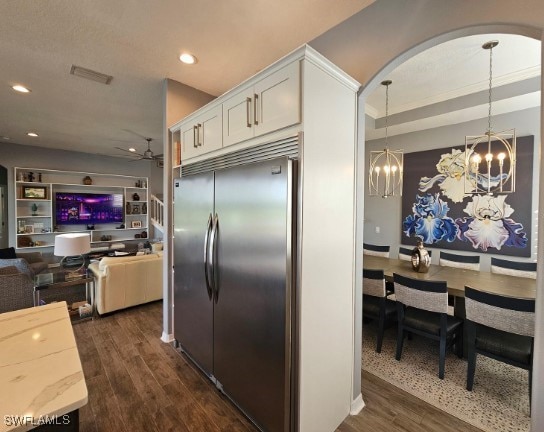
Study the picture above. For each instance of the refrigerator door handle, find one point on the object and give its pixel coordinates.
(212, 257)
(206, 243)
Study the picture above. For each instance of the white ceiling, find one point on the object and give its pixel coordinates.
(138, 42)
(452, 81)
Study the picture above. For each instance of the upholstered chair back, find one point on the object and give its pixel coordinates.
(376, 250)
(421, 294)
(513, 268)
(512, 315)
(469, 262)
(373, 283)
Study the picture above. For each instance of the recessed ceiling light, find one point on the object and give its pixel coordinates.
(6, 138)
(132, 149)
(32, 134)
(21, 89)
(187, 58)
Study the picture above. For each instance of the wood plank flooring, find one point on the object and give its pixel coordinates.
(138, 383)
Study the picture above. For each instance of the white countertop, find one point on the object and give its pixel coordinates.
(40, 369)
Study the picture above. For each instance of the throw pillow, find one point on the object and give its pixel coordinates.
(20, 263)
(7, 253)
(9, 270)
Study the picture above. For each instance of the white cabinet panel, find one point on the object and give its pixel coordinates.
(188, 141)
(278, 100)
(271, 104)
(238, 117)
(202, 134)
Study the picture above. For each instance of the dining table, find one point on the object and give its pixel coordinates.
(456, 278)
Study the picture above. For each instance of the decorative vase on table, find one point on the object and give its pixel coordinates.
(421, 260)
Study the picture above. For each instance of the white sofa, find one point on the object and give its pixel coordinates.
(127, 281)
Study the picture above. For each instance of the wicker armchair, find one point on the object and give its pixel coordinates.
(16, 289)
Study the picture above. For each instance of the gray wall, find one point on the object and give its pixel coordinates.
(386, 213)
(15, 155)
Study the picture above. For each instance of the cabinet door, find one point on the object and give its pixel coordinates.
(210, 130)
(278, 100)
(189, 147)
(238, 117)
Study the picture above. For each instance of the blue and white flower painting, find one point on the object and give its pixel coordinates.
(450, 177)
(429, 220)
(489, 224)
(440, 206)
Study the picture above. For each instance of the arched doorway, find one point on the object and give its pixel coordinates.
(361, 192)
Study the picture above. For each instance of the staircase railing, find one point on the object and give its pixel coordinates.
(157, 212)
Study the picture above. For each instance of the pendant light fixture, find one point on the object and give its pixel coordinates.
(385, 167)
(490, 159)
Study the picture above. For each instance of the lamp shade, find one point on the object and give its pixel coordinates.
(72, 244)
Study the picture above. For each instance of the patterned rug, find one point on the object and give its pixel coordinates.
(499, 401)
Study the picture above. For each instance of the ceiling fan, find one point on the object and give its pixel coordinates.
(146, 155)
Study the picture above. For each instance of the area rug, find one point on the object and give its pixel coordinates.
(499, 401)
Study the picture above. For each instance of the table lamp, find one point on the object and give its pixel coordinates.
(71, 247)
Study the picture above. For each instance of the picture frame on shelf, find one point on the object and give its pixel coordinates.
(136, 224)
(35, 192)
(29, 229)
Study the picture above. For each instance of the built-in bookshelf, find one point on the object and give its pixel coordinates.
(39, 217)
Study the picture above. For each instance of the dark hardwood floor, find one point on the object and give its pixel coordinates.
(138, 383)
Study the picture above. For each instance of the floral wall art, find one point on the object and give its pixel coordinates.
(436, 208)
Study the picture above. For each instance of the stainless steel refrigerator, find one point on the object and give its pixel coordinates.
(233, 283)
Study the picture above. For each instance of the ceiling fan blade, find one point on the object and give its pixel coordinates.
(138, 134)
(128, 151)
(135, 160)
(159, 155)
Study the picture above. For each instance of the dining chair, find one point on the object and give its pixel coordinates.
(405, 254)
(376, 305)
(376, 250)
(422, 308)
(469, 262)
(513, 268)
(501, 328)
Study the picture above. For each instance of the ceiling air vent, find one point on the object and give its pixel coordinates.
(90, 74)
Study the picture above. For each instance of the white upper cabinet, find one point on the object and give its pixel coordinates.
(202, 134)
(270, 104)
(274, 101)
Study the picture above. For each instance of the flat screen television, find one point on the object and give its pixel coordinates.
(75, 208)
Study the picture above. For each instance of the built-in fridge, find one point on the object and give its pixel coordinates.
(233, 283)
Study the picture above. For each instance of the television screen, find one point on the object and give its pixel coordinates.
(73, 208)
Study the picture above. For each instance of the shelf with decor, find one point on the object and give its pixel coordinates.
(52, 202)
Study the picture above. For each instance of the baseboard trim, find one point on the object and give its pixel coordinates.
(357, 405)
(167, 338)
